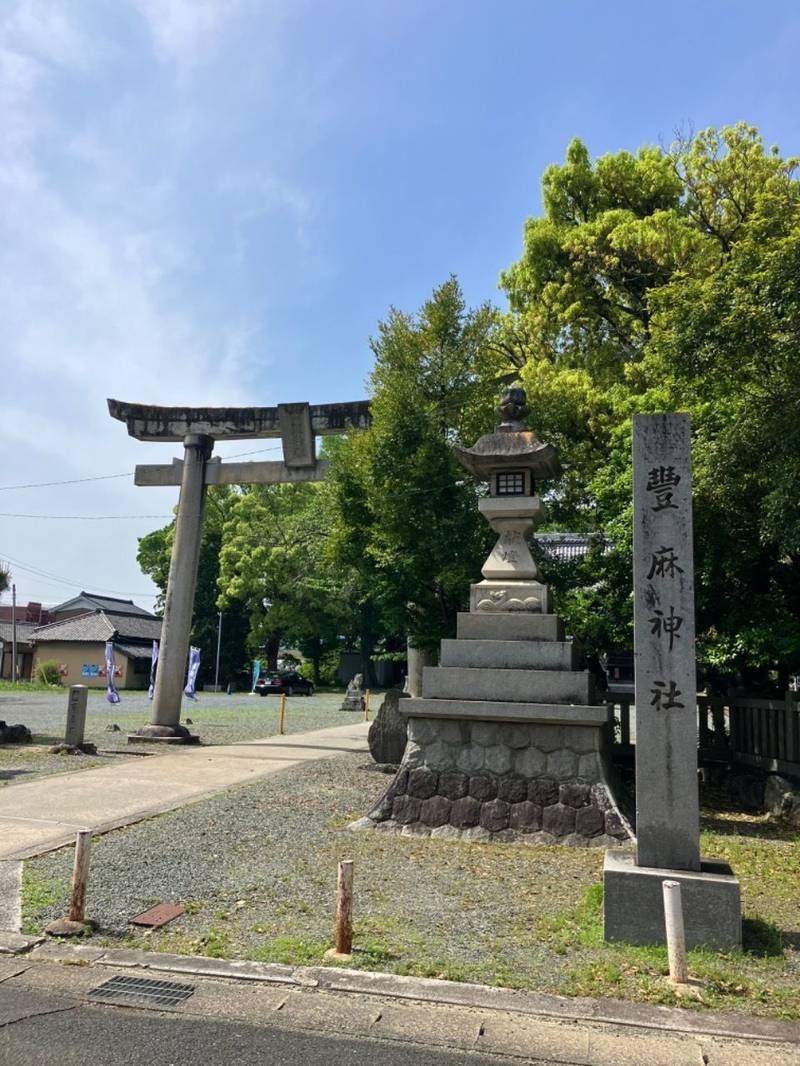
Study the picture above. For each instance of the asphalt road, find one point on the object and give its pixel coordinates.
(89, 1035)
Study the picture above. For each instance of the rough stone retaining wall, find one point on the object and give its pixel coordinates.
(478, 780)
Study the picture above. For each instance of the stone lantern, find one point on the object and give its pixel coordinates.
(506, 740)
(510, 461)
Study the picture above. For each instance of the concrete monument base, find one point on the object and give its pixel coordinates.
(163, 734)
(633, 907)
(509, 595)
(66, 927)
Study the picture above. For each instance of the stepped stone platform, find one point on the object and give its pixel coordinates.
(506, 742)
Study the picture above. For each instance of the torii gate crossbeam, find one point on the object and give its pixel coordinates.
(297, 424)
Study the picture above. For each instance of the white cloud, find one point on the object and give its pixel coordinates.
(51, 33)
(185, 31)
(125, 213)
(98, 299)
(256, 194)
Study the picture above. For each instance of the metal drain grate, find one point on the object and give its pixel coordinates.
(143, 991)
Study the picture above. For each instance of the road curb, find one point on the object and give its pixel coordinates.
(691, 1021)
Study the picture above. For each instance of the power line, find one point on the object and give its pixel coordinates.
(50, 577)
(73, 481)
(88, 517)
(109, 477)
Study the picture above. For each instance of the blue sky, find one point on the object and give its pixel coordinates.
(216, 201)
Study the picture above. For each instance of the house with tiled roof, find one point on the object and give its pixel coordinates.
(92, 601)
(77, 643)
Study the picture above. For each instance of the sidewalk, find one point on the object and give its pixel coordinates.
(45, 814)
(380, 1013)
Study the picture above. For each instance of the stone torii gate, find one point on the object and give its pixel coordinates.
(297, 424)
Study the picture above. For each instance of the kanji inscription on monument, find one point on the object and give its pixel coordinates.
(667, 826)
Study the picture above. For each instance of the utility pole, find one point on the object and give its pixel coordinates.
(13, 634)
(219, 642)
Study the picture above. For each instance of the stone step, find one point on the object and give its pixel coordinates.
(510, 654)
(516, 686)
(509, 625)
(505, 711)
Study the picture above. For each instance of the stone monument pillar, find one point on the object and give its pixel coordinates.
(506, 739)
(667, 807)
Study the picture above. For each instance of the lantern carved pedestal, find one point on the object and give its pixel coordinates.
(507, 741)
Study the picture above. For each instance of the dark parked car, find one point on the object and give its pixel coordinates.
(290, 683)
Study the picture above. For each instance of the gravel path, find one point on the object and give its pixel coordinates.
(256, 866)
(215, 717)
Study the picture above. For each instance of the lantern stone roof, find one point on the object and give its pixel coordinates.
(506, 450)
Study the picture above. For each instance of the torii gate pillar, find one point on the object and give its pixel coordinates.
(181, 586)
(197, 428)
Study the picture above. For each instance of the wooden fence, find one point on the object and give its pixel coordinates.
(748, 730)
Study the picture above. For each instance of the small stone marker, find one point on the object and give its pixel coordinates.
(76, 716)
(157, 916)
(667, 806)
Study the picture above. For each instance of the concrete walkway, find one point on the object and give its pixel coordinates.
(45, 814)
(254, 1013)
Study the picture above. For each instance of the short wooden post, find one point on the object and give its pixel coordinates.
(366, 706)
(282, 715)
(75, 923)
(343, 933)
(676, 939)
(80, 876)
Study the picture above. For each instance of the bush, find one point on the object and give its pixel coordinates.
(48, 673)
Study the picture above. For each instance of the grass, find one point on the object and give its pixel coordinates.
(20, 763)
(501, 914)
(39, 893)
(559, 950)
(744, 979)
(21, 687)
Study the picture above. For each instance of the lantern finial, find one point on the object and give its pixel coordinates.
(513, 407)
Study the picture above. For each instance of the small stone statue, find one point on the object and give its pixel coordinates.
(354, 696)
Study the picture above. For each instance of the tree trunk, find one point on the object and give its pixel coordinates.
(366, 644)
(316, 659)
(272, 647)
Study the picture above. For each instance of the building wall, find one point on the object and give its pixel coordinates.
(74, 656)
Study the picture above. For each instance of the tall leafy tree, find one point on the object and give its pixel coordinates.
(273, 559)
(663, 281)
(408, 521)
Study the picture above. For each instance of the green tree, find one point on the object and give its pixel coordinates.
(408, 527)
(664, 281)
(273, 560)
(153, 556)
